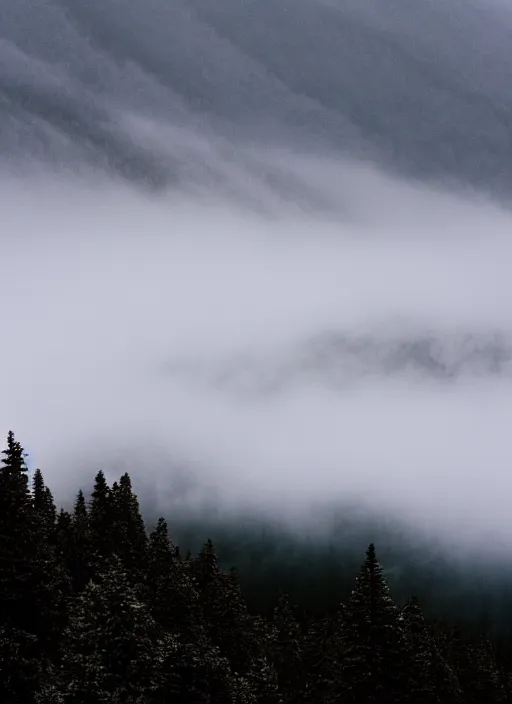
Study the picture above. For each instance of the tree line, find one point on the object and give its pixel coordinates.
(94, 608)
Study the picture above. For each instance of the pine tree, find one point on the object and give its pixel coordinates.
(129, 533)
(242, 691)
(16, 532)
(101, 523)
(262, 676)
(80, 514)
(322, 655)
(487, 683)
(63, 536)
(44, 504)
(32, 582)
(192, 673)
(206, 566)
(476, 669)
(287, 651)
(80, 560)
(18, 646)
(173, 595)
(225, 611)
(262, 680)
(430, 678)
(74, 543)
(20, 672)
(373, 640)
(111, 645)
(192, 670)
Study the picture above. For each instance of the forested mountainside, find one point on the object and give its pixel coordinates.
(316, 568)
(94, 608)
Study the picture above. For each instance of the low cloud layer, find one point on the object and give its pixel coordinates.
(280, 360)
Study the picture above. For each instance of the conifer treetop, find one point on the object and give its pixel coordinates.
(14, 455)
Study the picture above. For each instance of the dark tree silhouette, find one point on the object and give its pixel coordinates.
(92, 609)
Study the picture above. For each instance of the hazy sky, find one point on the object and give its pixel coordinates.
(281, 315)
(191, 90)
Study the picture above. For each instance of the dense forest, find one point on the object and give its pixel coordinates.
(95, 608)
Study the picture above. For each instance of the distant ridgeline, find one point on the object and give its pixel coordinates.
(93, 608)
(317, 570)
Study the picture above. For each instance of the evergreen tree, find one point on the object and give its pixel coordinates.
(173, 596)
(44, 504)
(63, 537)
(101, 523)
(193, 673)
(111, 645)
(206, 566)
(31, 582)
(224, 611)
(262, 680)
(430, 678)
(487, 685)
(373, 640)
(129, 533)
(16, 532)
(242, 691)
(81, 562)
(80, 515)
(287, 651)
(322, 657)
(476, 669)
(21, 672)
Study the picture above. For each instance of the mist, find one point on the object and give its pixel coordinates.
(260, 265)
(281, 360)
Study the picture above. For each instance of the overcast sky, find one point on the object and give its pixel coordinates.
(266, 242)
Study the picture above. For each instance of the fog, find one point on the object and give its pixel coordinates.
(239, 286)
(281, 359)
